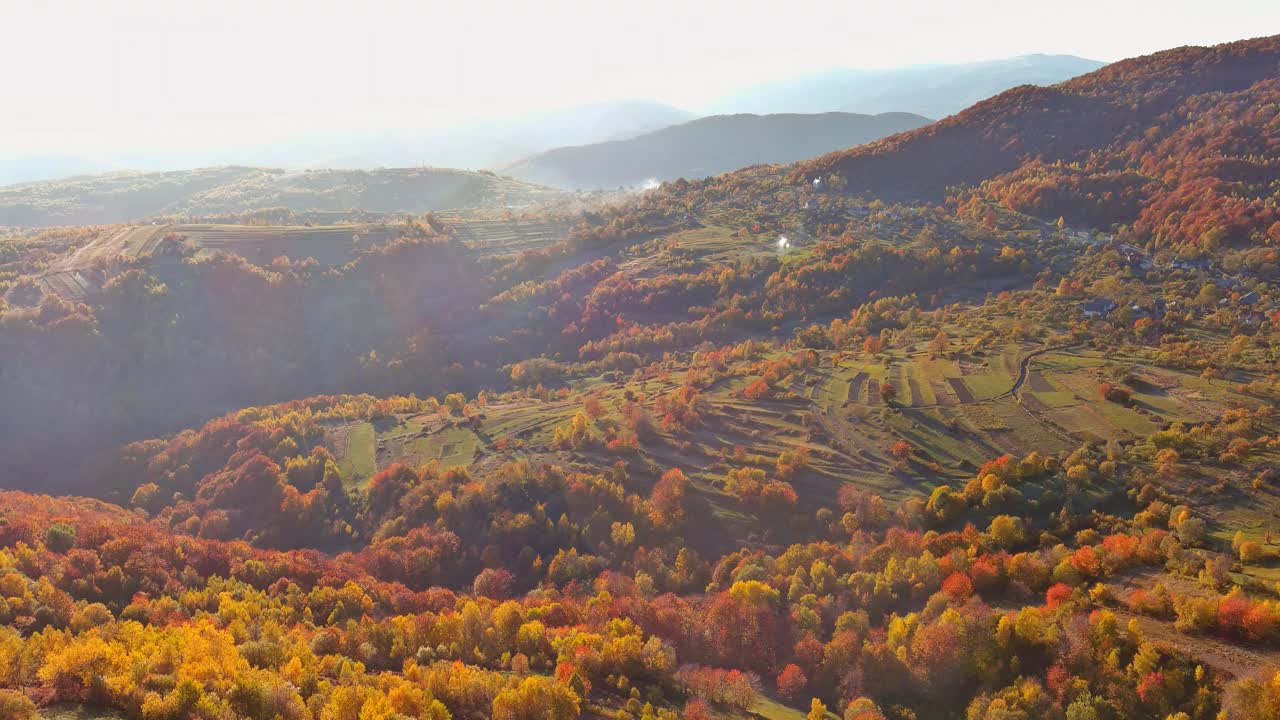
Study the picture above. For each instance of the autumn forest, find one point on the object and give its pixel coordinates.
(973, 422)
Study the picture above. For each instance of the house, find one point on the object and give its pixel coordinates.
(1190, 264)
(1138, 261)
(1156, 310)
(1098, 307)
(1249, 299)
(1139, 312)
(1138, 256)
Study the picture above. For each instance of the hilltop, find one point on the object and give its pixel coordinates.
(707, 146)
(124, 196)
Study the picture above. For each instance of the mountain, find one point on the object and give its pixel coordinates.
(484, 144)
(707, 146)
(929, 90)
(592, 123)
(1180, 145)
(474, 145)
(124, 196)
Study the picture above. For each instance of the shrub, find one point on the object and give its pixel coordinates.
(60, 537)
(15, 706)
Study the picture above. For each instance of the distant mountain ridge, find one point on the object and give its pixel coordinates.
(473, 145)
(126, 196)
(931, 90)
(707, 146)
(493, 143)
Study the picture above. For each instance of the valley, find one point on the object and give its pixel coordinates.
(972, 421)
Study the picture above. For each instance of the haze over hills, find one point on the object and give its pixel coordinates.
(932, 90)
(124, 196)
(31, 168)
(476, 145)
(483, 144)
(707, 146)
(982, 425)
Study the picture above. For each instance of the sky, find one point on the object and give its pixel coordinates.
(107, 78)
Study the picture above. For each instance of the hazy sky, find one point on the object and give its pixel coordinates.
(109, 76)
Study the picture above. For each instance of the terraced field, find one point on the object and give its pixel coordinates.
(957, 412)
(67, 284)
(331, 245)
(363, 448)
(497, 237)
(965, 411)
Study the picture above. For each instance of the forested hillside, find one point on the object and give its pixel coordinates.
(1179, 145)
(954, 426)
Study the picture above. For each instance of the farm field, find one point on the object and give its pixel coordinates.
(831, 411)
(354, 445)
(1060, 395)
(501, 237)
(67, 284)
(770, 709)
(364, 448)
